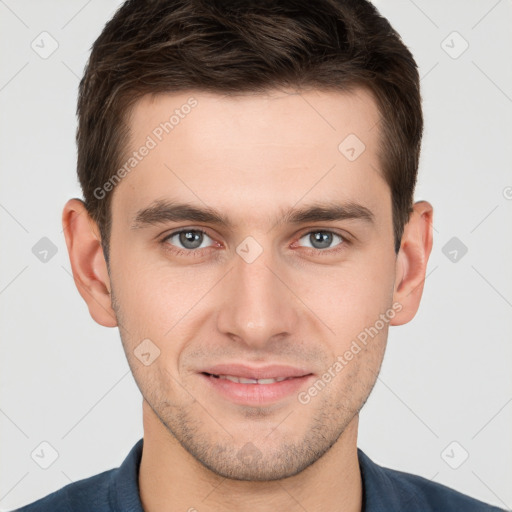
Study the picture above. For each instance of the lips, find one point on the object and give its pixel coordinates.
(243, 380)
(244, 374)
(255, 386)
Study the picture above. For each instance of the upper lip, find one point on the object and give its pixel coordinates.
(251, 372)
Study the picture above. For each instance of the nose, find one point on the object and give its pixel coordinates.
(258, 304)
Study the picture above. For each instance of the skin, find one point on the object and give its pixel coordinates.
(250, 156)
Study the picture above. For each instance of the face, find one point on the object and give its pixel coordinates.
(256, 290)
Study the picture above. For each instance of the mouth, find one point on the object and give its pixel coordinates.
(242, 385)
(244, 380)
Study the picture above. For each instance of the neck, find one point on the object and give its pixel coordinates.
(170, 479)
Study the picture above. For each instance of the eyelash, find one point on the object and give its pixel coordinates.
(198, 252)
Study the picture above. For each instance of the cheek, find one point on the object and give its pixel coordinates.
(162, 303)
(145, 299)
(350, 297)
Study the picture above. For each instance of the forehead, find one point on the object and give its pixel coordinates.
(249, 152)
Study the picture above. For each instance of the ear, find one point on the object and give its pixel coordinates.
(88, 262)
(411, 262)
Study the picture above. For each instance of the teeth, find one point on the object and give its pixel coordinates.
(266, 381)
(243, 380)
(228, 377)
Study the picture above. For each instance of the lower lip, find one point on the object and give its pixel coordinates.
(256, 394)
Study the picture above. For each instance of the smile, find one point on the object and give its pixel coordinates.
(243, 380)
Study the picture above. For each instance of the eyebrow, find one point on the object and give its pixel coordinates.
(162, 211)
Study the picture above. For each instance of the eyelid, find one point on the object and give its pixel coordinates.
(344, 235)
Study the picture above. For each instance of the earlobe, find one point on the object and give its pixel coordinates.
(87, 262)
(411, 263)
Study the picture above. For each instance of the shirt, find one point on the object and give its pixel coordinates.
(384, 490)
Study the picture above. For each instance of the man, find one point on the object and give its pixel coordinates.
(248, 170)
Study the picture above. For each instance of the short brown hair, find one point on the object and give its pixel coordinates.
(235, 46)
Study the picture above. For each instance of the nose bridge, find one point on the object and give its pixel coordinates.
(258, 306)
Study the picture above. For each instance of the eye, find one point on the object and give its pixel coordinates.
(321, 239)
(188, 239)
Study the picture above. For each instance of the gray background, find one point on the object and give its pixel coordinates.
(446, 376)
